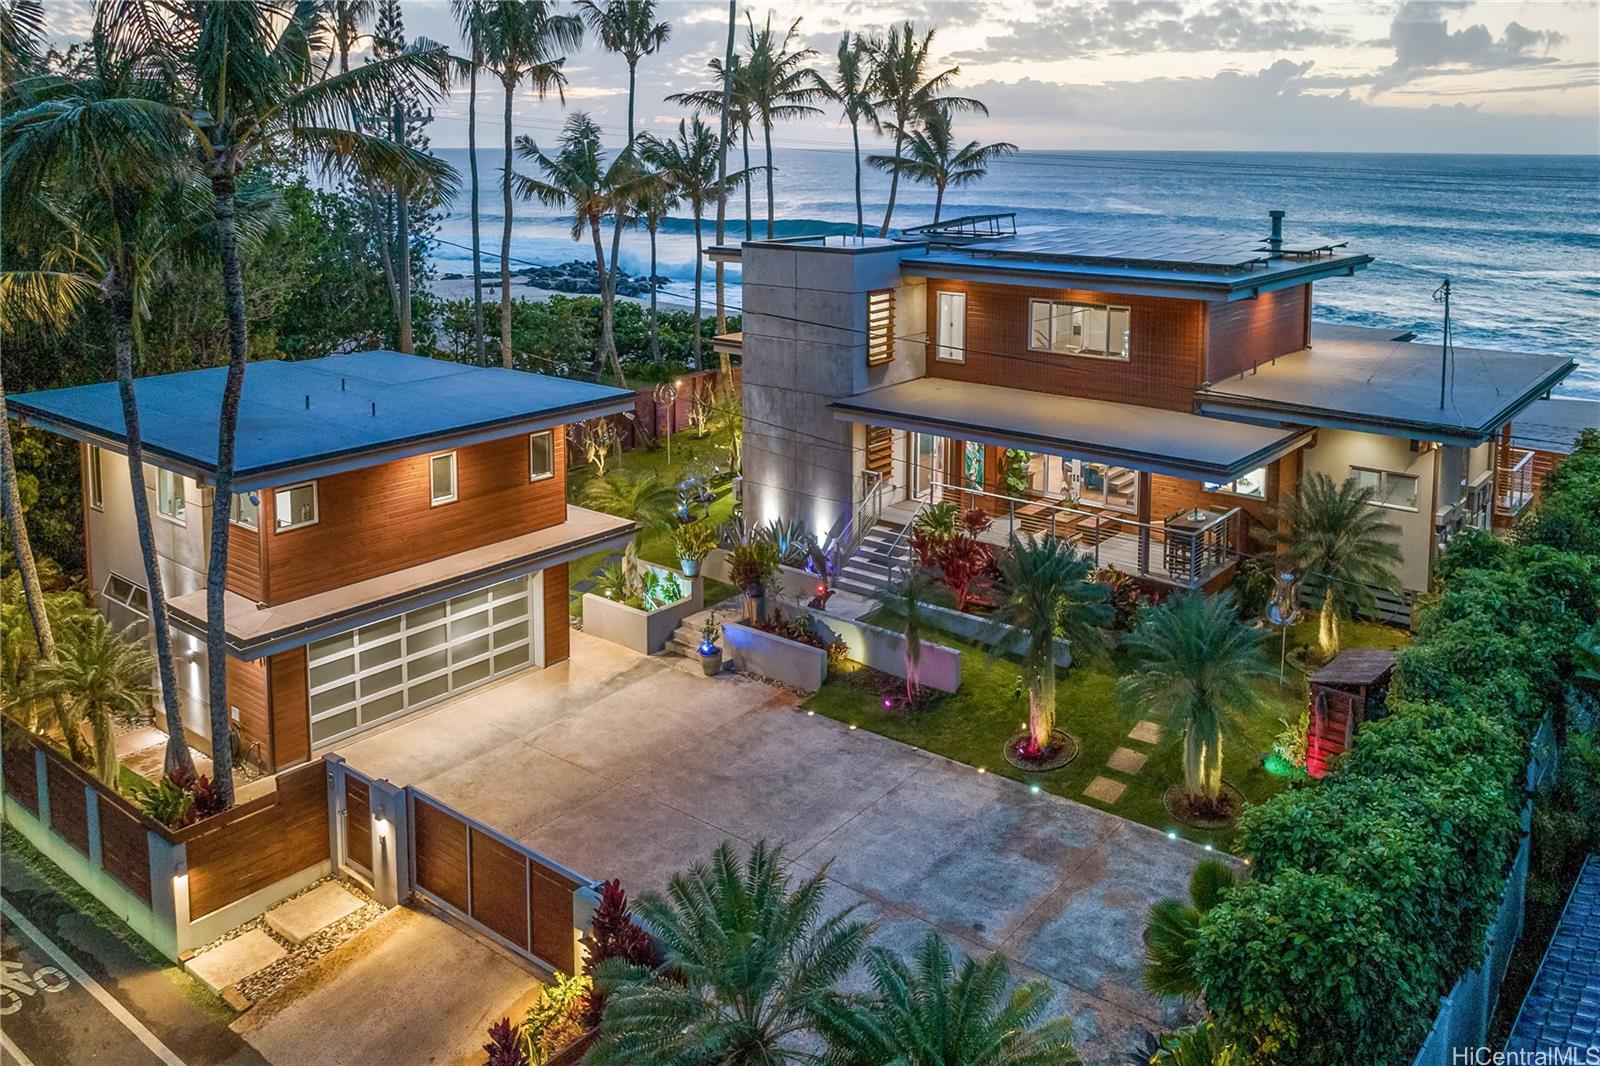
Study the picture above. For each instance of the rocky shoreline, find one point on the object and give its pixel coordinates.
(574, 276)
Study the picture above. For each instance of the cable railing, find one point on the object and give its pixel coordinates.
(1514, 485)
(864, 514)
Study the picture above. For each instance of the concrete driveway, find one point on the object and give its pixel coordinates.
(623, 766)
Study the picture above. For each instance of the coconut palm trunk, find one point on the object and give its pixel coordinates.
(177, 757)
(32, 591)
(608, 344)
(744, 139)
(655, 327)
(722, 184)
(1202, 761)
(477, 242)
(699, 363)
(766, 133)
(855, 145)
(1328, 636)
(938, 201)
(402, 240)
(1040, 669)
(505, 238)
(894, 182)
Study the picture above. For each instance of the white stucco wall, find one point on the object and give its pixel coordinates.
(1336, 451)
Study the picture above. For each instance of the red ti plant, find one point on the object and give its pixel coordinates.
(613, 934)
(959, 556)
(505, 1045)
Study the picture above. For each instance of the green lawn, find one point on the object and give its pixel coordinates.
(972, 725)
(655, 545)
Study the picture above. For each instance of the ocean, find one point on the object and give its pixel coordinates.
(1519, 236)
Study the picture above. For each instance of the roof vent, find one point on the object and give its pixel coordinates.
(1275, 242)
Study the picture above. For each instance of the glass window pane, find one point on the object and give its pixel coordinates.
(329, 672)
(465, 604)
(333, 697)
(1118, 338)
(380, 654)
(295, 505)
(425, 639)
(1367, 479)
(423, 691)
(331, 646)
(1400, 490)
(169, 495)
(1252, 484)
(469, 649)
(423, 615)
(96, 484)
(332, 727)
(245, 510)
(952, 337)
(382, 707)
(1094, 328)
(381, 681)
(442, 476)
(423, 665)
(1040, 312)
(462, 627)
(510, 634)
(378, 632)
(504, 612)
(469, 675)
(510, 660)
(541, 455)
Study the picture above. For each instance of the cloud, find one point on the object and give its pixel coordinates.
(1070, 30)
(1424, 44)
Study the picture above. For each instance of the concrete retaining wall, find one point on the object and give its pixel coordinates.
(786, 661)
(885, 650)
(976, 627)
(645, 632)
(793, 583)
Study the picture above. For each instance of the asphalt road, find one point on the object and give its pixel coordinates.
(74, 991)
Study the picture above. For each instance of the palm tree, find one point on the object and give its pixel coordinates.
(753, 965)
(910, 591)
(851, 89)
(934, 1015)
(1202, 664)
(1338, 538)
(22, 548)
(645, 498)
(731, 92)
(779, 86)
(908, 94)
(650, 207)
(931, 157)
(469, 16)
(523, 39)
(693, 166)
(1045, 588)
(629, 29)
(1174, 925)
(722, 167)
(1199, 1044)
(101, 674)
(244, 84)
(344, 19)
(579, 178)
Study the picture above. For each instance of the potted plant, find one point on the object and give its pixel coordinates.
(750, 566)
(693, 542)
(710, 653)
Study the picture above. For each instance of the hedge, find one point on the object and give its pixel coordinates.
(1374, 890)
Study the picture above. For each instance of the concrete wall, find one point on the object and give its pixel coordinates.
(645, 632)
(1337, 450)
(805, 319)
(755, 651)
(885, 650)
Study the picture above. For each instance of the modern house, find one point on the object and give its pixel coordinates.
(1150, 396)
(399, 532)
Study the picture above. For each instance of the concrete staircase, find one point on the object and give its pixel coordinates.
(868, 569)
(685, 640)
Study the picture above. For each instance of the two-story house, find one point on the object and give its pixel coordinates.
(1150, 396)
(399, 532)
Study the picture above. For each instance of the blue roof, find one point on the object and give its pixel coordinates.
(1562, 1008)
(337, 412)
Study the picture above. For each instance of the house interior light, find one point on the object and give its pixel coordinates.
(380, 825)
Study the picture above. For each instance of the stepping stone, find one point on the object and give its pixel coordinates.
(306, 915)
(233, 960)
(1105, 790)
(1127, 761)
(1146, 731)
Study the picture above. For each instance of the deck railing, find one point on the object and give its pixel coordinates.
(867, 508)
(1514, 485)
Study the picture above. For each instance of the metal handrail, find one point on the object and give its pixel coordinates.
(867, 509)
(1514, 488)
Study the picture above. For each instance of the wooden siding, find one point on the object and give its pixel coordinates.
(245, 575)
(1169, 495)
(247, 694)
(258, 843)
(1163, 369)
(21, 773)
(69, 806)
(550, 903)
(358, 822)
(499, 899)
(557, 615)
(291, 707)
(439, 845)
(125, 849)
(1245, 333)
(380, 519)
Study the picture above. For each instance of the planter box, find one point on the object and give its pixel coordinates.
(645, 632)
(976, 627)
(800, 666)
(885, 650)
(794, 584)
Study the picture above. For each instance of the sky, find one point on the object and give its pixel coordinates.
(1412, 76)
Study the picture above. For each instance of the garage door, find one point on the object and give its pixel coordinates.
(396, 666)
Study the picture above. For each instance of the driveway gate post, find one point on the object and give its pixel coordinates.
(391, 843)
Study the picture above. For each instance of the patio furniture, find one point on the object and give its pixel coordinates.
(1183, 552)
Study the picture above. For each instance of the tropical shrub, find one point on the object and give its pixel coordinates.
(1124, 595)
(505, 1045)
(613, 934)
(556, 1018)
(166, 802)
(693, 541)
(752, 564)
(947, 542)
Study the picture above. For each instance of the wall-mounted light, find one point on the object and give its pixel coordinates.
(380, 825)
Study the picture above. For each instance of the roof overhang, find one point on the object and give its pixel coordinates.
(1175, 443)
(1132, 281)
(255, 631)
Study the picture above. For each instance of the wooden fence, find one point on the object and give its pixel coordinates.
(179, 888)
(656, 418)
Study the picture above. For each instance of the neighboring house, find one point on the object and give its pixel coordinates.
(1560, 1016)
(400, 532)
(1151, 397)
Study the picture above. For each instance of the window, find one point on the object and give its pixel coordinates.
(541, 455)
(880, 327)
(245, 510)
(952, 335)
(442, 478)
(97, 497)
(1388, 489)
(169, 495)
(295, 506)
(1253, 485)
(126, 605)
(1078, 329)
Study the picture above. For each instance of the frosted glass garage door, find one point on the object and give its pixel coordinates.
(401, 664)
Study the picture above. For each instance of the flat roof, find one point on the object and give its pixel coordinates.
(1147, 438)
(1557, 1016)
(254, 630)
(1553, 425)
(313, 417)
(1355, 377)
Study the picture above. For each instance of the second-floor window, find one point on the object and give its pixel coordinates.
(97, 498)
(1389, 489)
(442, 478)
(294, 506)
(541, 455)
(1096, 330)
(1253, 485)
(170, 502)
(245, 510)
(951, 340)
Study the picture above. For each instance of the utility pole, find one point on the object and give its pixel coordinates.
(1442, 295)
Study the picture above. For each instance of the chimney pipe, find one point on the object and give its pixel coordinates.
(1275, 242)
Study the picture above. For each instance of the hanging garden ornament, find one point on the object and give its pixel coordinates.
(1283, 609)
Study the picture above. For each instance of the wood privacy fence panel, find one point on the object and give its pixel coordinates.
(358, 822)
(22, 775)
(69, 808)
(439, 848)
(258, 843)
(550, 905)
(658, 418)
(499, 888)
(125, 848)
